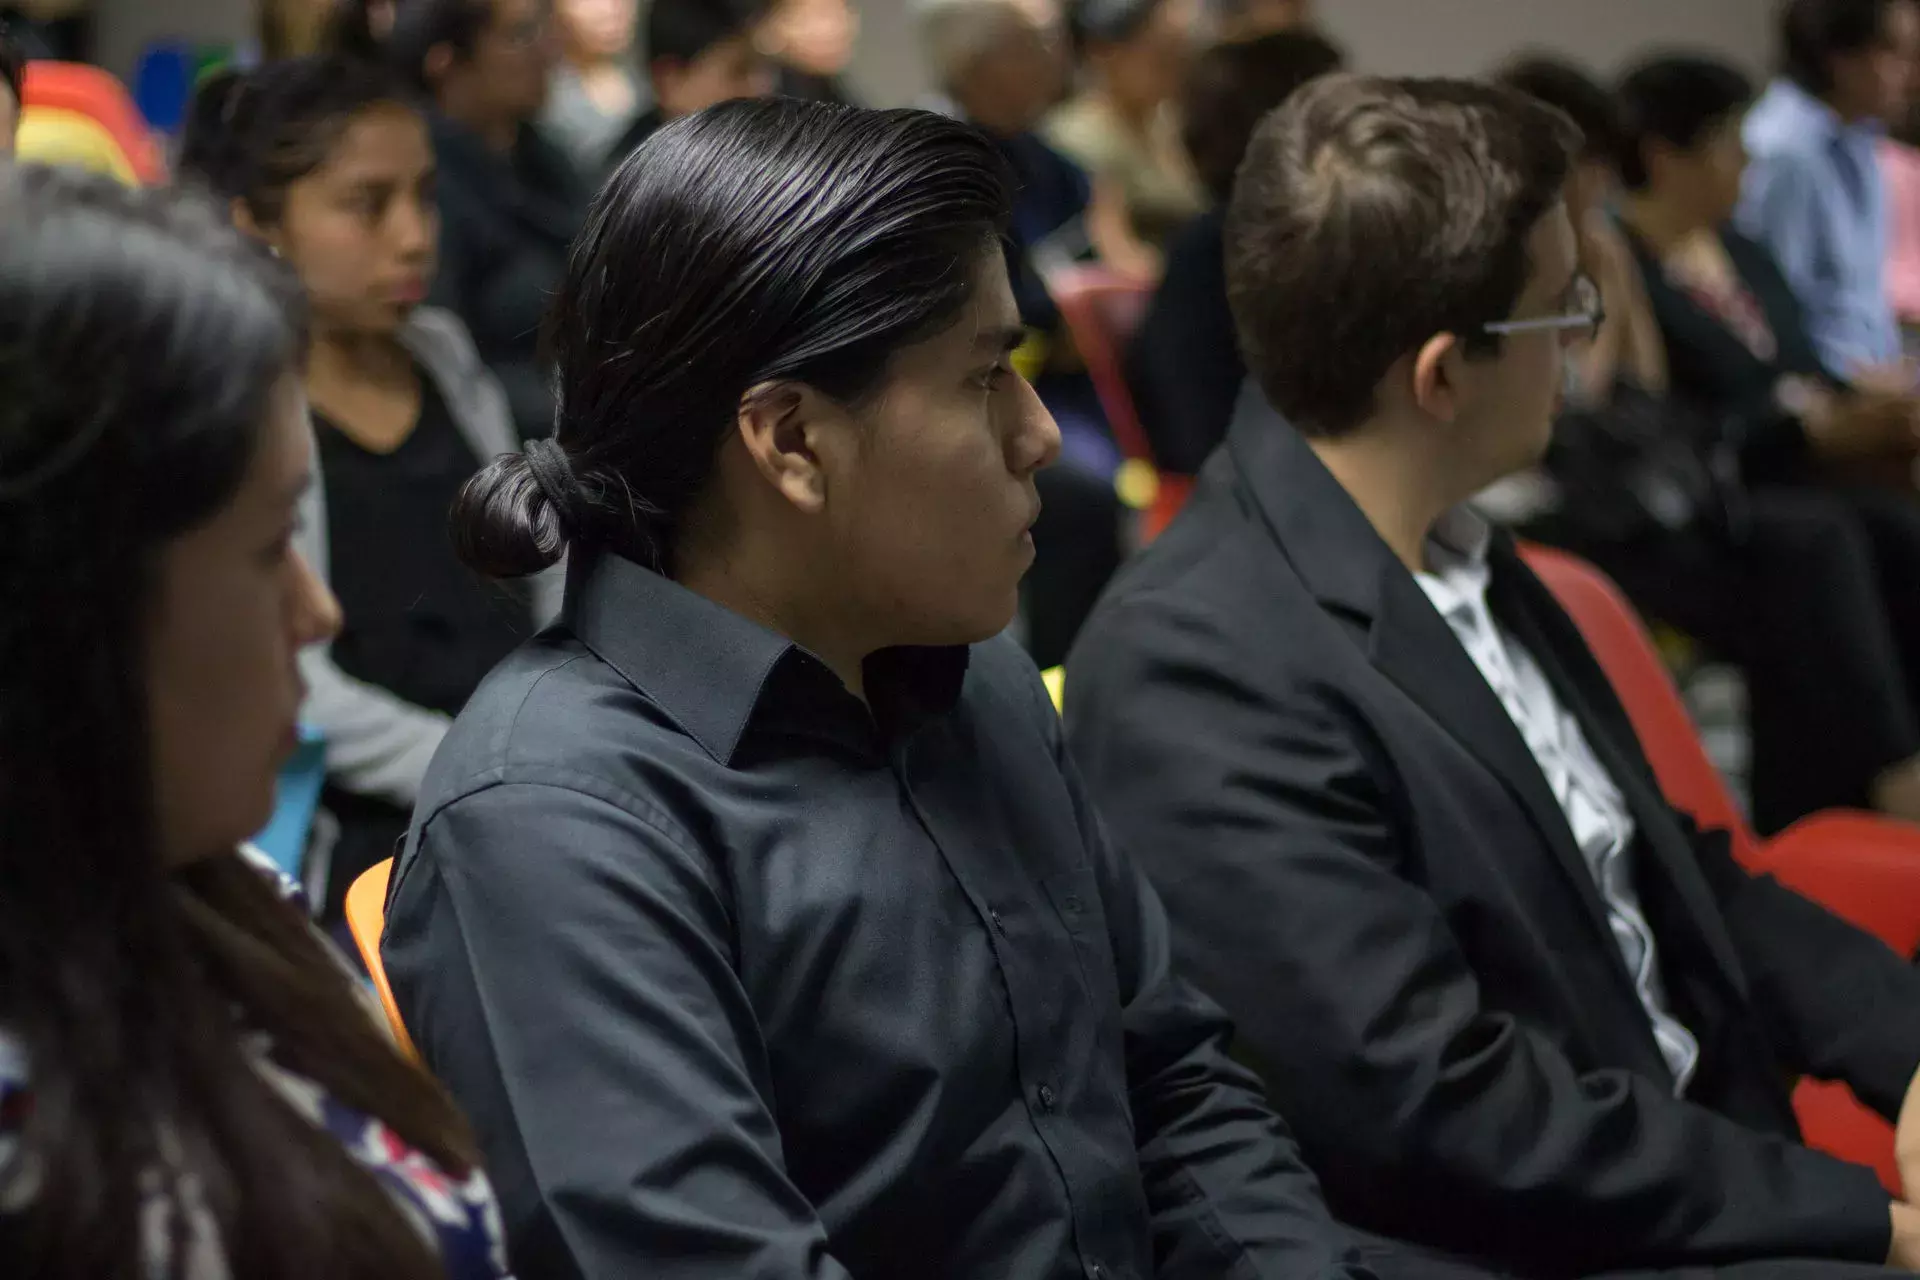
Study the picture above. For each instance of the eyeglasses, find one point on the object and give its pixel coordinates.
(1587, 313)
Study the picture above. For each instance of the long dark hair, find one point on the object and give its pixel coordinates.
(252, 134)
(754, 242)
(140, 340)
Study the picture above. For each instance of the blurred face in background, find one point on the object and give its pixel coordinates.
(1009, 88)
(596, 30)
(361, 229)
(732, 68)
(1876, 83)
(1701, 182)
(1149, 66)
(813, 36)
(504, 76)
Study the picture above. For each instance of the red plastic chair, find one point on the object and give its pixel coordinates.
(1863, 868)
(83, 102)
(1102, 309)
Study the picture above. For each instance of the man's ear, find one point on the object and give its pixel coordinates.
(779, 426)
(1436, 376)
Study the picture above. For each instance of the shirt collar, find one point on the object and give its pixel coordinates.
(712, 671)
(1457, 572)
(1789, 103)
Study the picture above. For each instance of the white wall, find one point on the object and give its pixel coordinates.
(1395, 36)
(124, 27)
(1441, 37)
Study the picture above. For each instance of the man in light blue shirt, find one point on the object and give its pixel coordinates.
(1813, 192)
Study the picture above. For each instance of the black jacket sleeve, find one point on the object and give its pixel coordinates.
(1225, 1182)
(1267, 818)
(1840, 1004)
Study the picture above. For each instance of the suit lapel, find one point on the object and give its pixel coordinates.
(1351, 572)
(1416, 649)
(1528, 611)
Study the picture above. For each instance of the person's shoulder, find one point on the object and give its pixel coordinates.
(551, 706)
(1086, 132)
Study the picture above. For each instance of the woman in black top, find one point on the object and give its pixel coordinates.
(325, 161)
(1736, 348)
(1184, 366)
(510, 201)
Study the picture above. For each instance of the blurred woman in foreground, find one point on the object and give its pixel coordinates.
(190, 1083)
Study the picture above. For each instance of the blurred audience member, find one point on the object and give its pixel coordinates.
(191, 1085)
(1628, 346)
(50, 29)
(1247, 19)
(1123, 128)
(327, 164)
(699, 53)
(13, 67)
(598, 91)
(510, 202)
(1185, 366)
(1813, 192)
(813, 43)
(1900, 170)
(1514, 1003)
(1778, 581)
(1835, 649)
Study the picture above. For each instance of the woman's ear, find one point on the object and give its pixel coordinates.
(248, 225)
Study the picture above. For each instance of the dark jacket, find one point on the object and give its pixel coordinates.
(1365, 865)
(1713, 370)
(506, 223)
(735, 976)
(1184, 366)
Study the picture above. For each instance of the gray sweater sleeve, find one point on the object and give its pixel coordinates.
(379, 744)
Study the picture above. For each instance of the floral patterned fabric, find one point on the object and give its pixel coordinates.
(458, 1218)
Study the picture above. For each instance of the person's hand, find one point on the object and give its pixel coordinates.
(1904, 1253)
(1894, 379)
(1906, 1139)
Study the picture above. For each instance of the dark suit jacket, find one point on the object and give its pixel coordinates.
(506, 223)
(1184, 365)
(1366, 867)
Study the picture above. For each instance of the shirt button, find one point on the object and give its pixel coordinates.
(998, 924)
(1097, 1271)
(1046, 1097)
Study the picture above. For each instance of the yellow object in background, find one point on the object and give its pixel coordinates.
(52, 135)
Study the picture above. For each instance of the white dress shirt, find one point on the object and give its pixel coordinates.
(1456, 583)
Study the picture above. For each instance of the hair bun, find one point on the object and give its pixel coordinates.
(503, 523)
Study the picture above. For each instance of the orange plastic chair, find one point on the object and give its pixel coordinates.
(1863, 868)
(74, 113)
(367, 920)
(1102, 310)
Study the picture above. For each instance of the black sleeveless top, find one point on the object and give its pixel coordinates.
(418, 622)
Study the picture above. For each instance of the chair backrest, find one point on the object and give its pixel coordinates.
(71, 113)
(1626, 652)
(367, 920)
(1102, 309)
(296, 800)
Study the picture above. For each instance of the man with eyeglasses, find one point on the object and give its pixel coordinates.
(1516, 1007)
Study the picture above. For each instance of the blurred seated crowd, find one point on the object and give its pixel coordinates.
(659, 482)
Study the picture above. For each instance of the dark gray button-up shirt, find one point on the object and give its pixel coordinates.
(738, 978)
